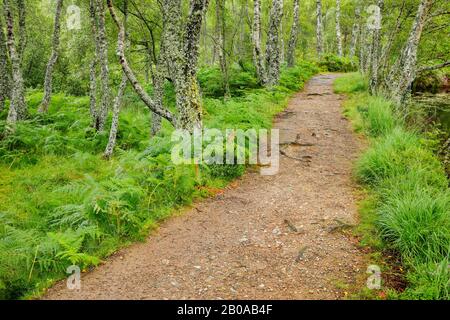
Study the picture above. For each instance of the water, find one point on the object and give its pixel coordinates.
(437, 108)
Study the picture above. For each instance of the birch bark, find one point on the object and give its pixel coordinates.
(273, 54)
(338, 28)
(319, 29)
(376, 51)
(18, 109)
(405, 71)
(4, 70)
(48, 83)
(117, 100)
(355, 32)
(220, 29)
(293, 39)
(104, 73)
(257, 46)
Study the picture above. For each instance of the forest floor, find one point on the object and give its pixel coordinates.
(264, 237)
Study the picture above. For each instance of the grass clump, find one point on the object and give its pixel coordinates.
(409, 207)
(351, 83)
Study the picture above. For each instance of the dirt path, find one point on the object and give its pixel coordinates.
(273, 237)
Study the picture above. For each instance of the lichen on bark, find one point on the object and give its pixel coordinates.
(273, 52)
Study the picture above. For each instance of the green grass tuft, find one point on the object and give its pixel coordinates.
(408, 208)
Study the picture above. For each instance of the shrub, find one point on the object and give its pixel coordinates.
(333, 63)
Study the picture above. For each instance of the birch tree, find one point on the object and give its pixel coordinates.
(376, 49)
(48, 83)
(4, 70)
(104, 68)
(117, 100)
(338, 28)
(18, 108)
(258, 58)
(293, 39)
(405, 70)
(273, 54)
(93, 65)
(221, 31)
(319, 28)
(181, 49)
(355, 31)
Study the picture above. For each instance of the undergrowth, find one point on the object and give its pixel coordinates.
(408, 207)
(61, 204)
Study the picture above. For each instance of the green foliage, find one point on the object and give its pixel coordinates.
(212, 82)
(431, 81)
(333, 63)
(351, 83)
(409, 209)
(295, 78)
(62, 204)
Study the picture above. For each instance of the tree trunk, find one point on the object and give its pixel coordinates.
(53, 59)
(189, 97)
(319, 29)
(118, 100)
(273, 54)
(338, 28)
(362, 48)
(130, 74)
(405, 71)
(104, 73)
(221, 32)
(18, 109)
(376, 51)
(257, 46)
(355, 32)
(22, 30)
(4, 70)
(292, 46)
(93, 65)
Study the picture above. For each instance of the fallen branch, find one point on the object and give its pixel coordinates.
(435, 67)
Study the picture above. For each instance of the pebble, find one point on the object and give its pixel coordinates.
(165, 262)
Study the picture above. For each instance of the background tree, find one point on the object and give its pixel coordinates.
(293, 39)
(273, 50)
(48, 84)
(18, 108)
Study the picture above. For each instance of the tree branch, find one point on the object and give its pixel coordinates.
(130, 74)
(435, 67)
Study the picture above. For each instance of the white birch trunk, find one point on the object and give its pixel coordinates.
(338, 28)
(405, 71)
(48, 83)
(93, 65)
(104, 68)
(4, 71)
(319, 28)
(18, 109)
(257, 46)
(355, 32)
(376, 52)
(293, 39)
(220, 29)
(117, 100)
(273, 54)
